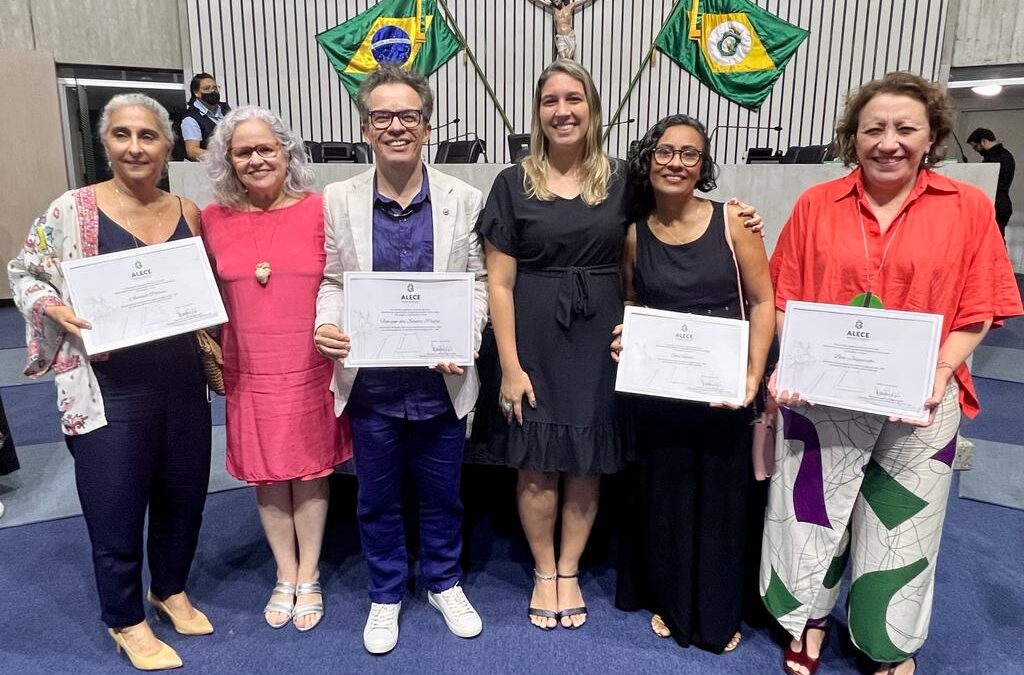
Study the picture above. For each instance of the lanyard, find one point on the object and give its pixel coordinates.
(865, 299)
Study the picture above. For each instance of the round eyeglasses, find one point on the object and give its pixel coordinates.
(381, 119)
(663, 155)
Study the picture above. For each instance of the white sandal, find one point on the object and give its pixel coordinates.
(307, 608)
(281, 588)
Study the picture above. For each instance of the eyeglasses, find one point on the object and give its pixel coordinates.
(663, 155)
(381, 119)
(266, 151)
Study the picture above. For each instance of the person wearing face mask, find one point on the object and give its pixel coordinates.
(265, 235)
(403, 216)
(137, 420)
(203, 113)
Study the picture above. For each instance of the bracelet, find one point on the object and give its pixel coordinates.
(944, 364)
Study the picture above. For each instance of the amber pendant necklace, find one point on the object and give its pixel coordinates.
(263, 269)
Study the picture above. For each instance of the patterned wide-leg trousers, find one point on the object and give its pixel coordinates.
(853, 486)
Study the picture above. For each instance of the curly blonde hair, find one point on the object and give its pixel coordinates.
(935, 99)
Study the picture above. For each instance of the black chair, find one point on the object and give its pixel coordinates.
(333, 152)
(811, 154)
(518, 146)
(460, 152)
(761, 156)
(791, 154)
(314, 152)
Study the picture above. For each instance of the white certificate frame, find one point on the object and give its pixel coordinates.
(651, 369)
(365, 298)
(853, 336)
(143, 294)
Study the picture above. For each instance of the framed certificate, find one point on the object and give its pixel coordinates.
(409, 318)
(870, 360)
(683, 356)
(143, 294)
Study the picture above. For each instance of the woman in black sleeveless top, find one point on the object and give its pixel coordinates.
(684, 547)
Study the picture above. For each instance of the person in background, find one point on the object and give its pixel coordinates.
(204, 111)
(402, 216)
(265, 235)
(137, 420)
(862, 488)
(992, 151)
(684, 551)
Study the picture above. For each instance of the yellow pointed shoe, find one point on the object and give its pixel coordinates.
(197, 625)
(164, 659)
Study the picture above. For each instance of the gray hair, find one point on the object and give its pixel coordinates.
(394, 75)
(227, 189)
(150, 104)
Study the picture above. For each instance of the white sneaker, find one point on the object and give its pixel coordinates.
(454, 606)
(380, 635)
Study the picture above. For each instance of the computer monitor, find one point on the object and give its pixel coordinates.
(460, 152)
(314, 152)
(336, 152)
(791, 154)
(518, 146)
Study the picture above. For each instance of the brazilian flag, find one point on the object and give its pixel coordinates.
(407, 33)
(733, 46)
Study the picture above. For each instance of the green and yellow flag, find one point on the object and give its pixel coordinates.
(733, 46)
(408, 33)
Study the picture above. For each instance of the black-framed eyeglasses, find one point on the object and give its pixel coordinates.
(264, 150)
(381, 119)
(663, 155)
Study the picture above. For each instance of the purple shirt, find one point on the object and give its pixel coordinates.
(403, 241)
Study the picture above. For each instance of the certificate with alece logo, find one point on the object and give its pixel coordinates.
(683, 356)
(400, 319)
(870, 360)
(143, 294)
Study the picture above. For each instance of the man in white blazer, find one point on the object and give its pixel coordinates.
(402, 216)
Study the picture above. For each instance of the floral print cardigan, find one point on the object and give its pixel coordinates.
(67, 231)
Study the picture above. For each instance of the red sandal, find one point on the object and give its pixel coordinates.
(801, 658)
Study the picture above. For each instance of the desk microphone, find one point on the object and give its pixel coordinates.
(741, 126)
(449, 123)
(620, 122)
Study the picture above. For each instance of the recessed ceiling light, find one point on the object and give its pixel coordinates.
(988, 89)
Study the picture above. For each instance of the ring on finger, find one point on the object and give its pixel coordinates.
(507, 405)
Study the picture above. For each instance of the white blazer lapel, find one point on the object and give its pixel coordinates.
(443, 208)
(360, 213)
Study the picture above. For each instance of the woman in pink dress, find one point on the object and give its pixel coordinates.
(265, 236)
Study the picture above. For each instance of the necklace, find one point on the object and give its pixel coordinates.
(128, 219)
(867, 298)
(263, 269)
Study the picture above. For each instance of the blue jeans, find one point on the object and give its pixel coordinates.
(431, 452)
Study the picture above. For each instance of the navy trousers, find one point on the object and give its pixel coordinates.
(430, 452)
(154, 452)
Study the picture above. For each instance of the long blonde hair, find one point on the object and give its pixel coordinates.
(597, 168)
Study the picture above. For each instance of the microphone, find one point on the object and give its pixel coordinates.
(714, 131)
(615, 124)
(467, 134)
(454, 120)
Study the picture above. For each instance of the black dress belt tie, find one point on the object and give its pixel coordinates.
(573, 296)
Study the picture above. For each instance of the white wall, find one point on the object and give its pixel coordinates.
(989, 32)
(266, 54)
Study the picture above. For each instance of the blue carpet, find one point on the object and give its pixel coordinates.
(12, 328)
(1000, 417)
(54, 625)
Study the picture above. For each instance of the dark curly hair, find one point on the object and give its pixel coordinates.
(639, 160)
(935, 99)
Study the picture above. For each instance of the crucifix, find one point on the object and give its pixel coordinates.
(565, 34)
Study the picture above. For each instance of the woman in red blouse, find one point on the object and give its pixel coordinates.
(857, 486)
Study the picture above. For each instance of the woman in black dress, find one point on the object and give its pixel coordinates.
(554, 227)
(683, 553)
